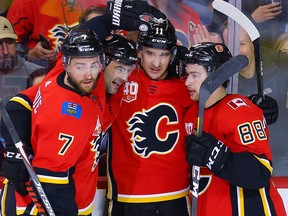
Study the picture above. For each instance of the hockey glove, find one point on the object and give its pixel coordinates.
(132, 14)
(14, 170)
(206, 151)
(269, 107)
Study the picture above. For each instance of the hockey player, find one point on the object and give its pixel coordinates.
(65, 126)
(120, 60)
(147, 170)
(233, 152)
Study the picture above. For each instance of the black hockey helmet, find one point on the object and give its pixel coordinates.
(81, 43)
(162, 35)
(121, 49)
(210, 55)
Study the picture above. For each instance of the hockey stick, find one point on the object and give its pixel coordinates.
(210, 84)
(235, 14)
(34, 179)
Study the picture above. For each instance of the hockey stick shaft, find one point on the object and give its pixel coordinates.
(19, 145)
(239, 17)
(210, 84)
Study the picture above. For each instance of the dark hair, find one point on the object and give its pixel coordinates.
(36, 73)
(98, 8)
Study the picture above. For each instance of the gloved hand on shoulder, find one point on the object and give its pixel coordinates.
(132, 14)
(206, 151)
(269, 106)
(14, 170)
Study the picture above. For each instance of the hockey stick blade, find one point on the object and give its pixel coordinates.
(235, 14)
(33, 177)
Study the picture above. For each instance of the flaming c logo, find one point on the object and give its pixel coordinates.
(154, 131)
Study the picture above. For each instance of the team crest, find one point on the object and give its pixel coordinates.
(154, 131)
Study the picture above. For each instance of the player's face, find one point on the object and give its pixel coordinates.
(155, 62)
(246, 46)
(196, 75)
(115, 74)
(7, 53)
(84, 72)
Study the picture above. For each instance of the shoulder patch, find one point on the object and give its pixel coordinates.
(236, 103)
(72, 109)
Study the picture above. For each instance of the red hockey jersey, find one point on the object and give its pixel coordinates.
(147, 156)
(240, 125)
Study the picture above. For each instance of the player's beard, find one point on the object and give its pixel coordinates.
(79, 85)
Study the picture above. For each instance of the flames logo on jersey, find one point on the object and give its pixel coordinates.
(154, 131)
(96, 144)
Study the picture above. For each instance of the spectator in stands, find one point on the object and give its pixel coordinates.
(91, 12)
(268, 18)
(14, 70)
(182, 17)
(51, 18)
(37, 76)
(275, 86)
(282, 43)
(4, 6)
(203, 8)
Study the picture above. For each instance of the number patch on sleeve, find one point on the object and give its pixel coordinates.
(250, 132)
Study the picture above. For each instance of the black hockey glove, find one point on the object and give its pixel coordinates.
(206, 151)
(132, 14)
(14, 170)
(269, 106)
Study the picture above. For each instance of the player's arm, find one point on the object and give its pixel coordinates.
(246, 170)
(13, 168)
(243, 169)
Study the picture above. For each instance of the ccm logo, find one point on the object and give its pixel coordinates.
(214, 154)
(13, 155)
(158, 41)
